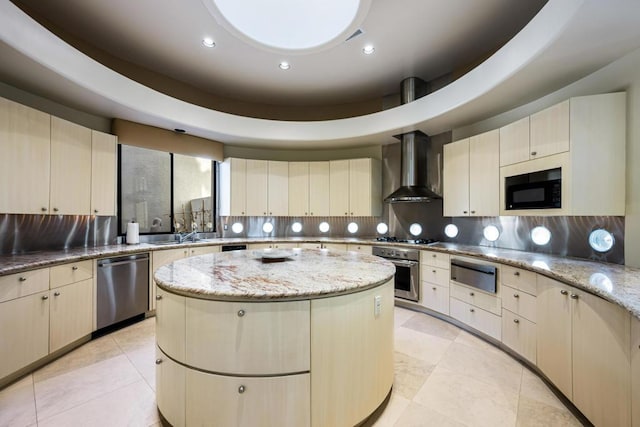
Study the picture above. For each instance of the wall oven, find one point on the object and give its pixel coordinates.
(407, 278)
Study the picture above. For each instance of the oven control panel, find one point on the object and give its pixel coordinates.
(396, 253)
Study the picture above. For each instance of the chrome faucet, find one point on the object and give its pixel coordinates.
(184, 237)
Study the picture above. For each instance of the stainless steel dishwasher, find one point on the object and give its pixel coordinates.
(123, 288)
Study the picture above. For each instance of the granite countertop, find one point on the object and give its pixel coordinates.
(616, 283)
(244, 275)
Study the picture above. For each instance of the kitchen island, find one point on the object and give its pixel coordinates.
(302, 339)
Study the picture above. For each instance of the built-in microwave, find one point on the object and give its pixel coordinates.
(535, 190)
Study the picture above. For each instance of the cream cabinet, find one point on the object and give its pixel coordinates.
(266, 188)
(309, 189)
(25, 136)
(70, 191)
(584, 349)
(257, 191)
(71, 313)
(278, 188)
(519, 311)
(635, 371)
(22, 284)
(434, 281)
(364, 249)
(202, 250)
(514, 142)
(471, 176)
(334, 246)
(355, 187)
(24, 337)
(170, 323)
(569, 136)
(170, 389)
(481, 320)
(247, 401)
(233, 187)
(103, 173)
(158, 259)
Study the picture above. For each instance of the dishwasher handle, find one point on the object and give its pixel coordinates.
(112, 262)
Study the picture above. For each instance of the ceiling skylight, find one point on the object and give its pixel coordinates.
(288, 24)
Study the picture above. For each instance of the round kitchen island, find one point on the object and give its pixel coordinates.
(248, 339)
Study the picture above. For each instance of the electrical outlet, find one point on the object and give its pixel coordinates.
(377, 305)
(225, 227)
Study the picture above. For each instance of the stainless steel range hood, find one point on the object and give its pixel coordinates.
(414, 146)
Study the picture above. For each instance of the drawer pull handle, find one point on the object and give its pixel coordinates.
(56, 294)
(433, 271)
(471, 293)
(533, 153)
(74, 268)
(563, 292)
(516, 321)
(473, 212)
(45, 297)
(434, 255)
(95, 211)
(158, 361)
(43, 209)
(55, 209)
(464, 212)
(574, 296)
(22, 279)
(434, 288)
(241, 389)
(472, 310)
(516, 296)
(516, 273)
(240, 313)
(158, 297)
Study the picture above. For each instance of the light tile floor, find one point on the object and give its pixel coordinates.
(443, 377)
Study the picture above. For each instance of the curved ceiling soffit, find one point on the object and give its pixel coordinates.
(145, 105)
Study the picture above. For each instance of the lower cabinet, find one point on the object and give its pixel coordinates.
(247, 401)
(170, 389)
(435, 297)
(635, 371)
(519, 334)
(170, 323)
(24, 335)
(365, 249)
(584, 349)
(479, 319)
(71, 313)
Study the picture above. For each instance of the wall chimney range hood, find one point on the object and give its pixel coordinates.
(413, 151)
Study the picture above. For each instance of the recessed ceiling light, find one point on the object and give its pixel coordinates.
(284, 65)
(368, 49)
(208, 42)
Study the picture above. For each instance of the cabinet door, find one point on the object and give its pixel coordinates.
(257, 187)
(278, 188)
(339, 187)
(170, 389)
(519, 334)
(456, 178)
(601, 360)
(203, 250)
(25, 138)
(435, 297)
(365, 249)
(170, 324)
(514, 142)
(247, 401)
(554, 333)
(299, 190)
(24, 335)
(549, 131)
(71, 313)
(238, 187)
(319, 189)
(635, 371)
(70, 168)
(484, 174)
(360, 176)
(103, 174)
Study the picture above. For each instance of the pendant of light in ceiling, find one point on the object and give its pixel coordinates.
(284, 65)
(368, 49)
(208, 42)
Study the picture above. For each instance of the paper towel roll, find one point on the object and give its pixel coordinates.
(133, 233)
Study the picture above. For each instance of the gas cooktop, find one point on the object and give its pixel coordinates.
(396, 240)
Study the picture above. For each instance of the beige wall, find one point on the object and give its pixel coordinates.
(621, 75)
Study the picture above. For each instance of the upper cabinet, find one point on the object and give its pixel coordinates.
(25, 136)
(276, 188)
(355, 187)
(549, 131)
(309, 189)
(514, 142)
(471, 176)
(52, 165)
(103, 173)
(70, 192)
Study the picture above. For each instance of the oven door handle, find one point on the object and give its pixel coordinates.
(402, 263)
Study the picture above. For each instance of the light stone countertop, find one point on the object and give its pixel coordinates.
(616, 283)
(244, 275)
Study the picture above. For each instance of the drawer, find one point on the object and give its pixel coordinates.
(435, 275)
(283, 401)
(520, 335)
(203, 250)
(520, 279)
(435, 297)
(334, 246)
(481, 320)
(434, 259)
(311, 245)
(519, 302)
(476, 297)
(284, 245)
(231, 337)
(22, 284)
(70, 273)
(365, 249)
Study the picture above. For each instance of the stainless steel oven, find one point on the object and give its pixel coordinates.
(407, 278)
